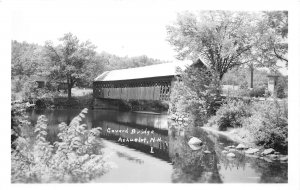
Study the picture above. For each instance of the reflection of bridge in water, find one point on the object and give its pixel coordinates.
(147, 133)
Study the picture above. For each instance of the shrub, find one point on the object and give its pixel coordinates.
(196, 94)
(258, 92)
(184, 101)
(231, 114)
(76, 158)
(269, 124)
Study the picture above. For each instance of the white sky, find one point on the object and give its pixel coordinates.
(119, 27)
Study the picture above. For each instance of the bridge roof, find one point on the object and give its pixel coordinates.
(158, 70)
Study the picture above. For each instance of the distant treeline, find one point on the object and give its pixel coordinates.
(28, 61)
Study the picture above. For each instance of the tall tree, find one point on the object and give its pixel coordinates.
(25, 58)
(222, 39)
(273, 44)
(69, 61)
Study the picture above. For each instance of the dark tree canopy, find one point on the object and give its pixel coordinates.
(69, 61)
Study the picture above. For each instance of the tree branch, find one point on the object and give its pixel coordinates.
(279, 57)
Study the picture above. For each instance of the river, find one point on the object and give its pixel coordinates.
(146, 147)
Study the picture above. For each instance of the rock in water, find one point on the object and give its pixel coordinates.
(251, 151)
(268, 151)
(231, 155)
(195, 146)
(207, 152)
(273, 156)
(285, 158)
(241, 147)
(268, 160)
(224, 151)
(195, 141)
(231, 146)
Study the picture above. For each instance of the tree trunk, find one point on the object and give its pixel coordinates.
(251, 77)
(69, 91)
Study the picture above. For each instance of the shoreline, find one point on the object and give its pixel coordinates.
(231, 136)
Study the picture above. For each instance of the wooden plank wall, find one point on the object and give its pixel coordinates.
(136, 93)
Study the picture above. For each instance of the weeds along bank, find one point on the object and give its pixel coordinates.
(77, 157)
(264, 123)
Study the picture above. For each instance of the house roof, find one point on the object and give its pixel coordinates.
(158, 70)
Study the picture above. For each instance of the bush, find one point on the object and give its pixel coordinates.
(196, 94)
(77, 157)
(231, 114)
(258, 92)
(184, 101)
(269, 124)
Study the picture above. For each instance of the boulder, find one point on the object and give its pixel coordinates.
(194, 141)
(224, 151)
(241, 147)
(195, 146)
(252, 155)
(284, 158)
(268, 151)
(185, 119)
(173, 117)
(179, 119)
(231, 155)
(267, 159)
(251, 150)
(273, 156)
(207, 152)
(231, 150)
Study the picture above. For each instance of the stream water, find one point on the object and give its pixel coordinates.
(146, 147)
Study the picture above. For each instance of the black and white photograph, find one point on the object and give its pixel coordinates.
(125, 91)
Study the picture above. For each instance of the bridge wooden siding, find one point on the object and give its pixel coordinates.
(143, 83)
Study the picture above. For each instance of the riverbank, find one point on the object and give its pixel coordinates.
(231, 134)
(247, 147)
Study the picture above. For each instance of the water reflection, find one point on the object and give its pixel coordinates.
(192, 165)
(157, 139)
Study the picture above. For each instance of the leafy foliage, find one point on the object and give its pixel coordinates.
(241, 77)
(196, 94)
(113, 62)
(231, 114)
(222, 39)
(76, 158)
(264, 122)
(69, 60)
(269, 124)
(227, 39)
(273, 46)
(25, 58)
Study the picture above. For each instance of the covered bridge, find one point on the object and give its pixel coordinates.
(152, 82)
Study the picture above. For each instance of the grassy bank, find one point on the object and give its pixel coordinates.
(259, 123)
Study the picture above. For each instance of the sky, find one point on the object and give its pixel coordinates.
(120, 27)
